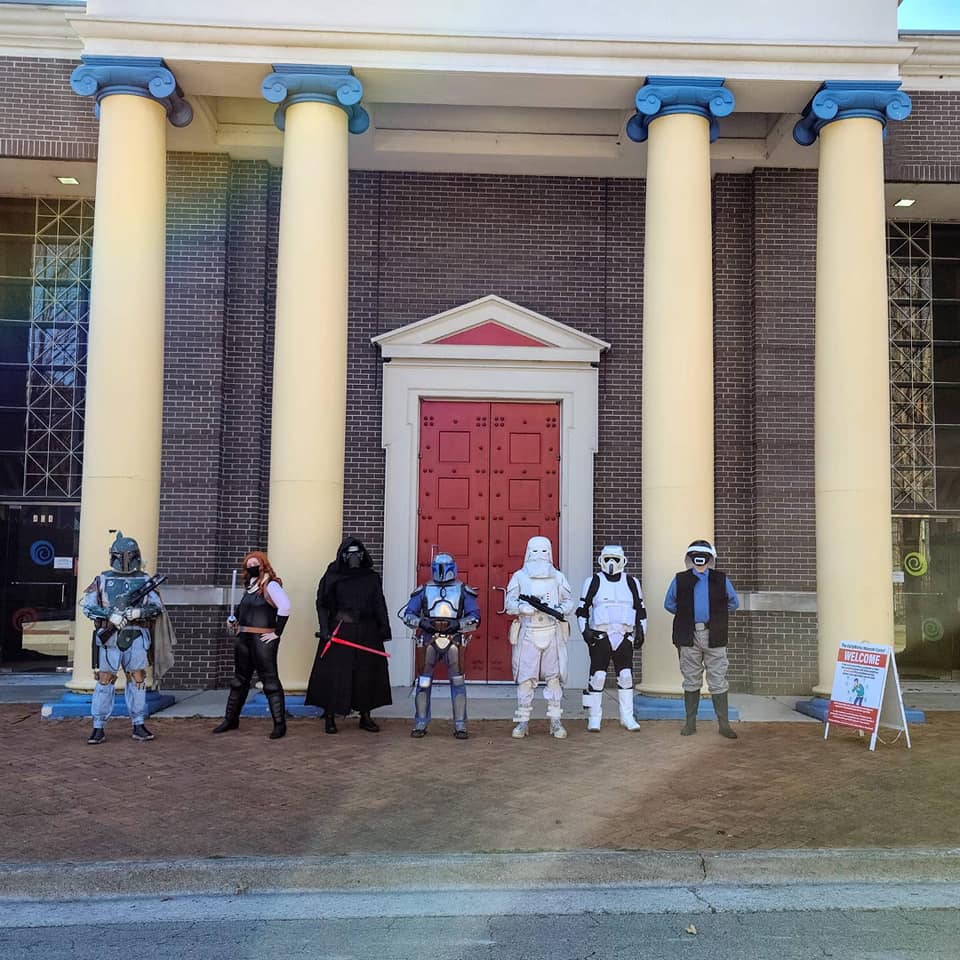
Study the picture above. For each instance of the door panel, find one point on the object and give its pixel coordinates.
(489, 480)
(454, 468)
(524, 501)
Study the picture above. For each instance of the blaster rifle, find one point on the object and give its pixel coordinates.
(538, 604)
(132, 599)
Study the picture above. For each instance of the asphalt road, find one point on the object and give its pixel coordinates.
(900, 920)
(900, 934)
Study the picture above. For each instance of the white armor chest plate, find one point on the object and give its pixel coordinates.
(540, 628)
(613, 605)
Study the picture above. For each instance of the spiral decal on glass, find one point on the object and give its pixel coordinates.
(42, 553)
(915, 564)
(23, 617)
(931, 629)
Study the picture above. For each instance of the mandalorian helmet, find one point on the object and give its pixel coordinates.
(125, 554)
(443, 568)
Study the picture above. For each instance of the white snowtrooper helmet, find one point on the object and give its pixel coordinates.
(539, 548)
(700, 555)
(612, 560)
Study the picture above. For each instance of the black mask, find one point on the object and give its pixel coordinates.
(253, 573)
(353, 560)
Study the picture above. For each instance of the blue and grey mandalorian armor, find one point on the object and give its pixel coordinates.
(443, 612)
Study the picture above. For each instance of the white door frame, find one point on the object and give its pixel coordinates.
(562, 368)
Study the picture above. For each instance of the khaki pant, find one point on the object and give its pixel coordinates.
(701, 655)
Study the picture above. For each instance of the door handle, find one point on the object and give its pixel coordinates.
(503, 590)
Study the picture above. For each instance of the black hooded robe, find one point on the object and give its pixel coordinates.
(345, 679)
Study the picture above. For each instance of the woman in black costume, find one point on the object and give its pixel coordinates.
(350, 607)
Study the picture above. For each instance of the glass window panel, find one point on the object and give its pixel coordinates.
(11, 474)
(16, 256)
(14, 340)
(948, 446)
(946, 279)
(946, 240)
(948, 489)
(946, 404)
(946, 320)
(15, 296)
(12, 429)
(13, 386)
(18, 215)
(946, 363)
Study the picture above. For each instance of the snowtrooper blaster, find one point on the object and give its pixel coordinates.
(538, 604)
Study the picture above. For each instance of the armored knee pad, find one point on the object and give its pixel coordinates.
(597, 681)
(625, 679)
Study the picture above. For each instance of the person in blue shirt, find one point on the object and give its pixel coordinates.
(701, 598)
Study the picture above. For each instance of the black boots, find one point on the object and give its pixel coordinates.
(329, 723)
(278, 710)
(231, 716)
(691, 701)
(720, 707)
(367, 723)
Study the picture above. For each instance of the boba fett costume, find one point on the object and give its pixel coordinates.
(127, 611)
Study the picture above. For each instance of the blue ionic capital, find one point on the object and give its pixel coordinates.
(703, 96)
(880, 100)
(302, 82)
(148, 77)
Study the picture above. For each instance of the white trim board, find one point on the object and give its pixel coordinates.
(421, 369)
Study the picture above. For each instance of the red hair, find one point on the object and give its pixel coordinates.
(267, 573)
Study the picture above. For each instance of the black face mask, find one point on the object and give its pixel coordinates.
(353, 560)
(253, 573)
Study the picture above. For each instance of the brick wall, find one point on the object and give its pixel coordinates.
(242, 506)
(193, 370)
(785, 205)
(40, 116)
(204, 652)
(925, 148)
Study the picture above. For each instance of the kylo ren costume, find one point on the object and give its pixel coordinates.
(350, 608)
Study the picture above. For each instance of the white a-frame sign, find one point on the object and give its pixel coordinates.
(866, 691)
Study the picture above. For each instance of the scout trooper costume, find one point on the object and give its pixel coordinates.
(613, 621)
(126, 648)
(444, 612)
(539, 637)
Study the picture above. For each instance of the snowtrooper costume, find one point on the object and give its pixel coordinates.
(540, 597)
(613, 621)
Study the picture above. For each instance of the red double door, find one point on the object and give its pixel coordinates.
(489, 480)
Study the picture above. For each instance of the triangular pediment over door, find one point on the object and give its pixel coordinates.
(490, 329)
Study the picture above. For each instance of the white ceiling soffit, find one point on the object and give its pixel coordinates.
(934, 201)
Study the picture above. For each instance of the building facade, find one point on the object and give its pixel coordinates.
(439, 282)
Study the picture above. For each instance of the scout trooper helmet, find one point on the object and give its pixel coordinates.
(612, 560)
(700, 555)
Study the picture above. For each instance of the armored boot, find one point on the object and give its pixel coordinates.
(691, 702)
(721, 708)
(593, 701)
(458, 698)
(278, 710)
(422, 706)
(522, 720)
(231, 716)
(627, 719)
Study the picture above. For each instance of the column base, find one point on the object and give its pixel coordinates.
(672, 708)
(72, 705)
(816, 707)
(257, 707)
